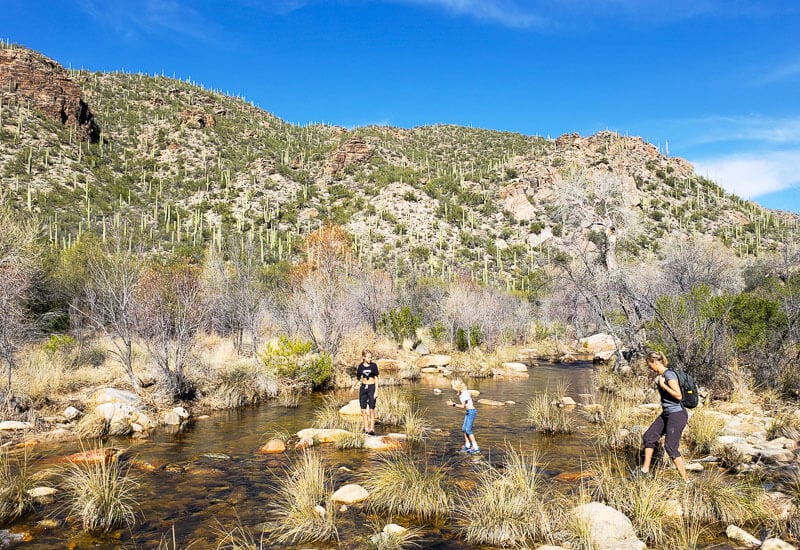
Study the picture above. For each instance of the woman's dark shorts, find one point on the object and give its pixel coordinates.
(670, 425)
(366, 396)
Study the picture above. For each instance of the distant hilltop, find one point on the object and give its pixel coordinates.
(177, 165)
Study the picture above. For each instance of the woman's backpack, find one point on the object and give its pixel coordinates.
(691, 396)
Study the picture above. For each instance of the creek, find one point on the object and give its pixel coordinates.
(209, 477)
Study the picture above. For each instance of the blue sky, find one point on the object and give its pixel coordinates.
(715, 81)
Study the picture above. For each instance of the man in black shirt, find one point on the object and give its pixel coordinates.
(367, 375)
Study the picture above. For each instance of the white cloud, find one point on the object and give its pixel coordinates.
(505, 12)
(726, 129)
(132, 18)
(753, 175)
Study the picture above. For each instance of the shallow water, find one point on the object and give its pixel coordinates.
(200, 496)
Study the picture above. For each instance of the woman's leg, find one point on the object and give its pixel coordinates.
(651, 437)
(676, 423)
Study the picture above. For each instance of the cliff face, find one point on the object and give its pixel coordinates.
(31, 79)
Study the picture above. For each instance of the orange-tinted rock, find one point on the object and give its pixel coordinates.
(273, 446)
(575, 476)
(353, 151)
(94, 456)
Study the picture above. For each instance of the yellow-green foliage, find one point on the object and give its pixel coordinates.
(292, 361)
(15, 481)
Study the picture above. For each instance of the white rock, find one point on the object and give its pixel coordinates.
(515, 367)
(350, 493)
(394, 529)
(71, 413)
(776, 544)
(567, 401)
(694, 467)
(320, 510)
(433, 360)
(15, 425)
(609, 529)
(598, 342)
(113, 395)
(171, 418)
(474, 393)
(39, 492)
(353, 408)
(742, 537)
(491, 403)
(437, 391)
(182, 413)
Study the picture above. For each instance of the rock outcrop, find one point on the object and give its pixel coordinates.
(30, 78)
(353, 151)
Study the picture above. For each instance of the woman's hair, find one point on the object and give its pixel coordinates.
(457, 384)
(365, 352)
(658, 356)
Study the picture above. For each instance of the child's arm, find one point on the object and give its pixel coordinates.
(454, 404)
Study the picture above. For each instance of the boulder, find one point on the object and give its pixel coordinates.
(694, 467)
(182, 413)
(566, 358)
(474, 393)
(742, 537)
(353, 408)
(609, 529)
(94, 456)
(71, 413)
(776, 544)
(603, 356)
(437, 391)
(273, 446)
(597, 343)
(322, 435)
(515, 367)
(171, 418)
(394, 529)
(422, 349)
(429, 370)
(491, 403)
(42, 495)
(12, 425)
(304, 443)
(780, 504)
(433, 360)
(350, 493)
(383, 443)
(113, 395)
(391, 365)
(567, 401)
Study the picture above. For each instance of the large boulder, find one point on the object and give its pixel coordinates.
(391, 442)
(609, 529)
(777, 544)
(13, 425)
(391, 365)
(433, 360)
(273, 446)
(742, 537)
(597, 343)
(114, 395)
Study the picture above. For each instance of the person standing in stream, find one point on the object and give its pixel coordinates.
(367, 375)
(465, 398)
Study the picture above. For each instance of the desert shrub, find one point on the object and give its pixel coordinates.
(15, 481)
(244, 383)
(509, 507)
(714, 497)
(303, 507)
(546, 413)
(293, 363)
(102, 495)
(399, 484)
(401, 323)
(784, 423)
(703, 429)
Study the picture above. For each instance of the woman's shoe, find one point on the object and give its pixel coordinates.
(474, 450)
(465, 449)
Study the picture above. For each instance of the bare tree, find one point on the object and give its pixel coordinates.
(374, 293)
(171, 310)
(317, 301)
(693, 262)
(17, 264)
(237, 291)
(109, 303)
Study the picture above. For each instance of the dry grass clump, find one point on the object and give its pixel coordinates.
(416, 427)
(785, 423)
(687, 534)
(509, 507)
(714, 497)
(614, 427)
(92, 426)
(243, 383)
(392, 406)
(400, 485)
(628, 387)
(546, 413)
(643, 500)
(303, 507)
(101, 495)
(472, 365)
(350, 440)
(703, 429)
(15, 481)
(394, 540)
(327, 416)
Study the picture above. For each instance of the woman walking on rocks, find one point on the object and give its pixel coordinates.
(673, 418)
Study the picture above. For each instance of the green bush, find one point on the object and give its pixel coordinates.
(292, 361)
(400, 323)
